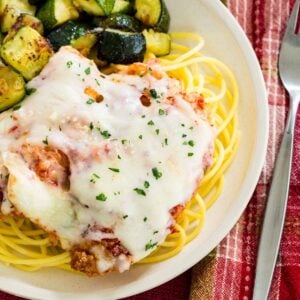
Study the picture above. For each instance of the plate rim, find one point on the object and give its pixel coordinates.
(253, 174)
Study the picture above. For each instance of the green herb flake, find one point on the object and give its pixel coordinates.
(90, 101)
(17, 107)
(155, 232)
(143, 116)
(87, 71)
(101, 197)
(145, 219)
(114, 170)
(157, 131)
(125, 217)
(150, 245)
(91, 126)
(69, 64)
(105, 134)
(124, 142)
(191, 143)
(30, 91)
(190, 154)
(140, 191)
(97, 81)
(150, 123)
(146, 184)
(45, 141)
(156, 173)
(140, 137)
(166, 142)
(184, 136)
(191, 128)
(182, 125)
(161, 112)
(154, 94)
(119, 157)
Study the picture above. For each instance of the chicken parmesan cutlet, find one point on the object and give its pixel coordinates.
(103, 163)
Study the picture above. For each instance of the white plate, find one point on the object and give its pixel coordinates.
(226, 41)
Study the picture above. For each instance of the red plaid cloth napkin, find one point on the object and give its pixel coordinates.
(228, 272)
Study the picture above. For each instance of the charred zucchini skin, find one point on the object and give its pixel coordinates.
(121, 47)
(12, 88)
(24, 20)
(10, 11)
(65, 34)
(121, 22)
(153, 13)
(27, 52)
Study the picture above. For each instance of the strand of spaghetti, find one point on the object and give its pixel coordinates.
(218, 189)
(25, 238)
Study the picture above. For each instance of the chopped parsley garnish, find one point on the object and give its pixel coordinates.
(90, 101)
(91, 126)
(97, 81)
(101, 197)
(140, 191)
(105, 134)
(182, 125)
(157, 174)
(114, 170)
(191, 143)
(143, 116)
(94, 177)
(119, 157)
(166, 141)
(69, 64)
(155, 232)
(45, 141)
(87, 71)
(190, 154)
(150, 123)
(125, 217)
(150, 245)
(157, 131)
(145, 219)
(124, 142)
(140, 137)
(17, 107)
(161, 112)
(154, 94)
(191, 128)
(184, 135)
(146, 184)
(30, 91)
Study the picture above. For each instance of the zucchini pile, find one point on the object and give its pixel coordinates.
(107, 31)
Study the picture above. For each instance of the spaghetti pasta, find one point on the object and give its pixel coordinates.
(29, 248)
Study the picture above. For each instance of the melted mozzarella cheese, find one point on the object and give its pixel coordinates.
(130, 164)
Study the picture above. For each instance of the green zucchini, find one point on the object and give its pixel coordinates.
(27, 52)
(122, 7)
(85, 43)
(10, 10)
(12, 88)
(56, 12)
(24, 20)
(158, 43)
(119, 21)
(107, 6)
(91, 7)
(68, 34)
(36, 2)
(153, 13)
(121, 47)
